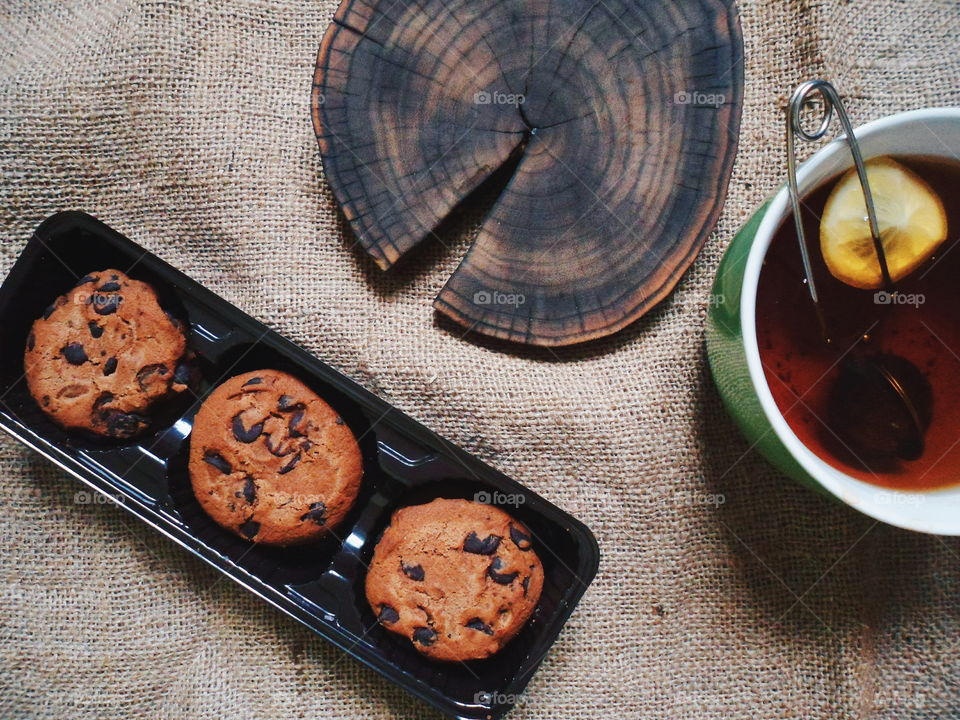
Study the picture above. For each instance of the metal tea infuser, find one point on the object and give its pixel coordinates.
(881, 403)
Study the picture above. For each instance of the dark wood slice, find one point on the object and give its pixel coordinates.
(623, 116)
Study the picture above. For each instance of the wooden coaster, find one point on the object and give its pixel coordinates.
(619, 119)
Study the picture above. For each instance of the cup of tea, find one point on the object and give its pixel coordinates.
(856, 393)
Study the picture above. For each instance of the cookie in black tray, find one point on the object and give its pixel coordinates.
(104, 354)
(459, 579)
(322, 584)
(271, 461)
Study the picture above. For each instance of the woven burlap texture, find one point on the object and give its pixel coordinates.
(724, 591)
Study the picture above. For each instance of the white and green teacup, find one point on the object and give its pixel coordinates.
(732, 335)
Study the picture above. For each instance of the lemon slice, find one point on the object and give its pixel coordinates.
(910, 216)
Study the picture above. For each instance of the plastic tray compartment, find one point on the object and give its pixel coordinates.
(320, 585)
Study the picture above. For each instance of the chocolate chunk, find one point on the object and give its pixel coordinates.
(246, 435)
(500, 578)
(487, 546)
(110, 366)
(526, 585)
(146, 375)
(521, 540)
(249, 490)
(182, 373)
(414, 572)
(317, 513)
(290, 465)
(276, 448)
(86, 279)
(74, 353)
(105, 304)
(124, 425)
(109, 287)
(49, 311)
(478, 624)
(287, 403)
(294, 424)
(31, 341)
(249, 529)
(95, 330)
(211, 457)
(388, 615)
(253, 381)
(73, 391)
(424, 635)
(104, 399)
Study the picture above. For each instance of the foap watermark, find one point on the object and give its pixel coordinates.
(89, 497)
(711, 300)
(495, 297)
(485, 97)
(499, 498)
(901, 699)
(882, 297)
(693, 498)
(716, 299)
(699, 99)
(485, 697)
(15, 591)
(899, 498)
(701, 699)
(103, 302)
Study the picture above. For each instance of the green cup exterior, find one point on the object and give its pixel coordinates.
(728, 362)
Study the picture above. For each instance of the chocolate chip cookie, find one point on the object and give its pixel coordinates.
(103, 354)
(271, 461)
(458, 578)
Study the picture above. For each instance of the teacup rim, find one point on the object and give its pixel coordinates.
(896, 507)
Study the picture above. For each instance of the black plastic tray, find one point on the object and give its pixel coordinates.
(321, 586)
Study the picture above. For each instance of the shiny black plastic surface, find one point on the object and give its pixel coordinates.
(320, 585)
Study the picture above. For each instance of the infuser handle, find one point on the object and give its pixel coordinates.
(831, 102)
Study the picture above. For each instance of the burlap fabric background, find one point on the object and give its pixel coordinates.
(724, 592)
